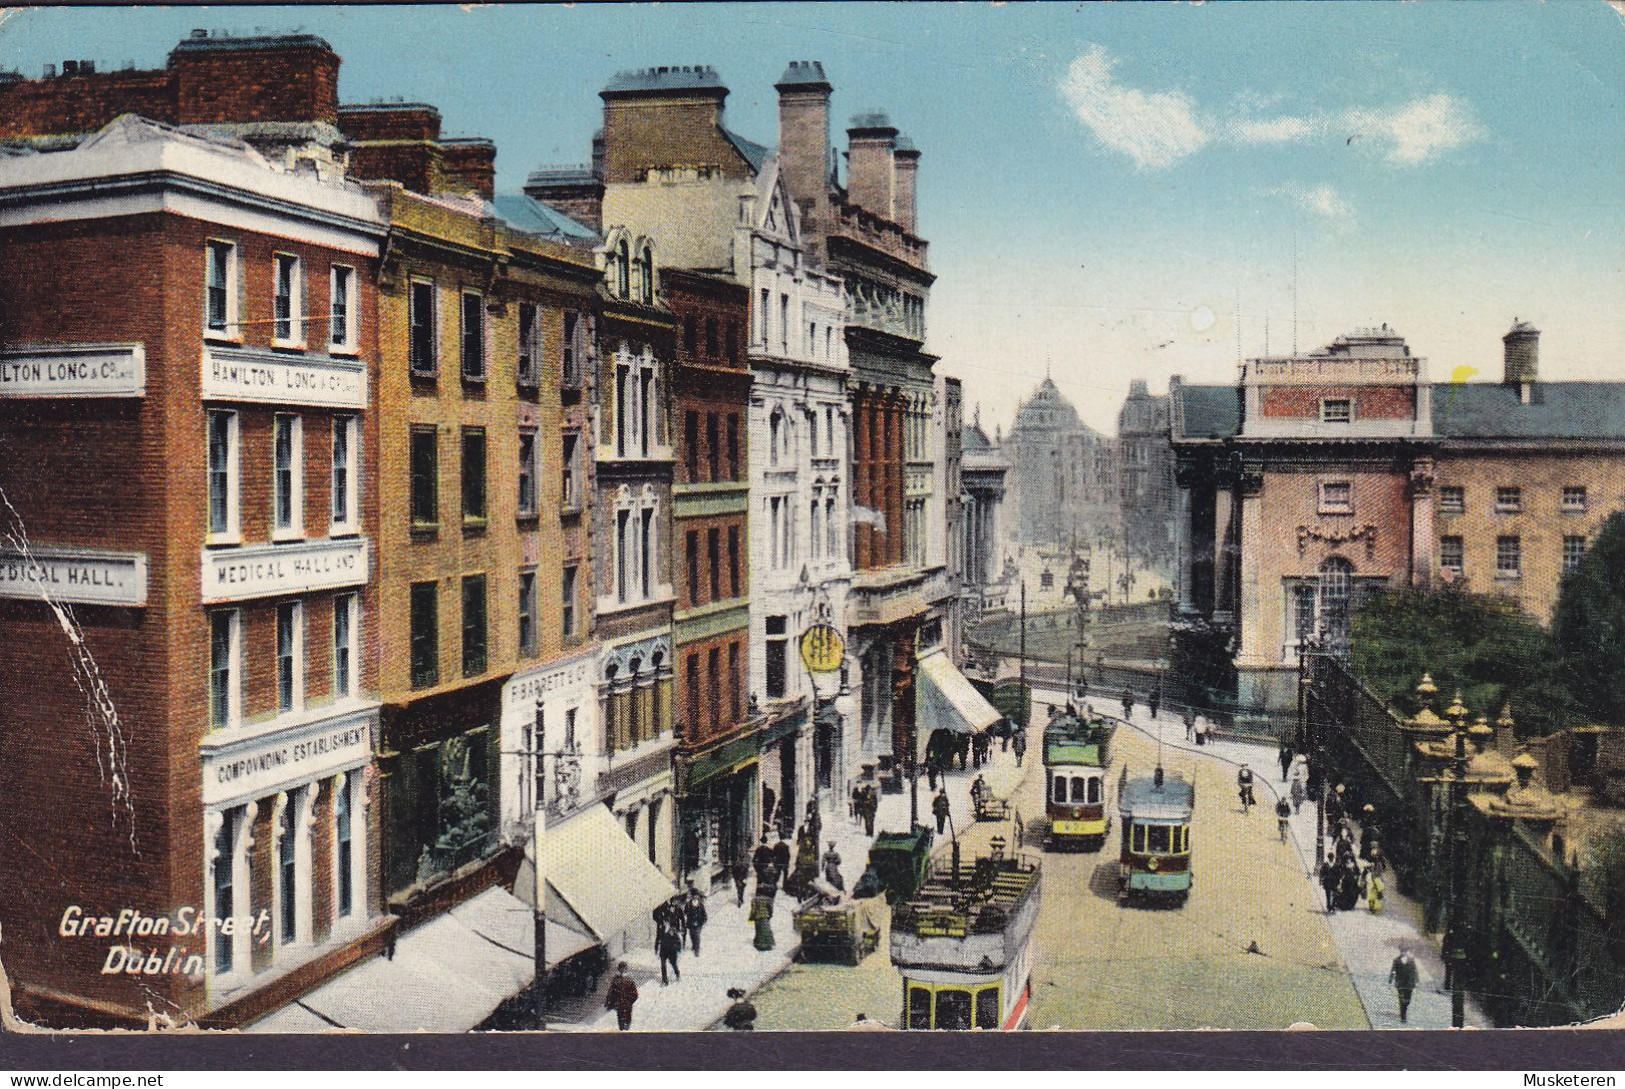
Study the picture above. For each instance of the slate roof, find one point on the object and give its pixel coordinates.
(531, 215)
(1209, 412)
(1557, 410)
(755, 154)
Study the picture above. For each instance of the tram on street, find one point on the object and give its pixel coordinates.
(1077, 749)
(1155, 862)
(963, 945)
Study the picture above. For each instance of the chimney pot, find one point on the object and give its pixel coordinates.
(199, 32)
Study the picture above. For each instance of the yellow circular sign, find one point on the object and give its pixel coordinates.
(822, 649)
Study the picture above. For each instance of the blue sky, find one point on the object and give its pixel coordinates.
(1101, 185)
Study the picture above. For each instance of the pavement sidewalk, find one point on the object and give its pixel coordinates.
(728, 956)
(1368, 943)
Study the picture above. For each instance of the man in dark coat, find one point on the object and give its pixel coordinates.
(1019, 744)
(1128, 702)
(1328, 883)
(762, 858)
(739, 871)
(939, 809)
(1285, 757)
(1402, 973)
(870, 805)
(781, 858)
(668, 943)
(694, 917)
(741, 1016)
(1155, 701)
(622, 996)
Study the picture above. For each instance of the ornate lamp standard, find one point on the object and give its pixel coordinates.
(567, 785)
(1456, 937)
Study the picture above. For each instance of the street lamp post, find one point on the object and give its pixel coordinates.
(538, 837)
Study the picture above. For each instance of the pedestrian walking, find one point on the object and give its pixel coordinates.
(1283, 814)
(668, 943)
(622, 996)
(694, 917)
(1244, 788)
(940, 809)
(1368, 832)
(1004, 735)
(1155, 700)
(1128, 702)
(1190, 723)
(854, 805)
(1285, 756)
(871, 806)
(962, 750)
(739, 871)
(1402, 974)
(1328, 883)
(761, 858)
(978, 791)
(1202, 728)
(1379, 862)
(781, 859)
(1374, 888)
(831, 865)
(1019, 744)
(741, 1016)
(1298, 797)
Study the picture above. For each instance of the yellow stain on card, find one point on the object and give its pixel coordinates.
(1461, 373)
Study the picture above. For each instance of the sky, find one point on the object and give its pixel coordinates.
(1110, 192)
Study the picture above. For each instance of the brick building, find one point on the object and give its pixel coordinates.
(718, 793)
(187, 358)
(1323, 478)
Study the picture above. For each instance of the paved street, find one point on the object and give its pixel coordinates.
(1102, 966)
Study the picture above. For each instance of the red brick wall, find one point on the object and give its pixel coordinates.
(639, 133)
(300, 83)
(716, 706)
(297, 83)
(1369, 402)
(877, 461)
(394, 123)
(129, 474)
(475, 162)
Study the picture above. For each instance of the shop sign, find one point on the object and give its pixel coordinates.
(302, 567)
(74, 370)
(237, 767)
(822, 649)
(249, 374)
(74, 576)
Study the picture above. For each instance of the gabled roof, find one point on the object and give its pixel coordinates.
(532, 216)
(1556, 410)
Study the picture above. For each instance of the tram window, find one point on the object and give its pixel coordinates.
(1094, 790)
(1161, 839)
(919, 1008)
(1077, 790)
(987, 1008)
(953, 1009)
(1182, 840)
(1138, 846)
(1058, 790)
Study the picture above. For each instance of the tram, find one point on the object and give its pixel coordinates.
(964, 945)
(1155, 863)
(1077, 750)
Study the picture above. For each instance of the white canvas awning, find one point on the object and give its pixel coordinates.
(945, 700)
(448, 975)
(603, 877)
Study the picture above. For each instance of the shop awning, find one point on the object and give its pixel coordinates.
(736, 755)
(604, 877)
(448, 975)
(946, 700)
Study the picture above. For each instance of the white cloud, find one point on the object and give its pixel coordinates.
(1155, 129)
(1416, 131)
(1322, 200)
(1159, 128)
(1276, 130)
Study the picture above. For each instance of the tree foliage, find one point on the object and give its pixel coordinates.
(1483, 645)
(1589, 626)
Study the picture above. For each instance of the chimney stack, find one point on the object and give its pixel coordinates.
(1522, 357)
(804, 152)
(906, 168)
(869, 174)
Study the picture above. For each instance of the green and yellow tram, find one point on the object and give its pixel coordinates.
(1155, 861)
(964, 946)
(1077, 749)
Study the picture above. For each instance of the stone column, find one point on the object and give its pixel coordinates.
(1224, 603)
(1251, 622)
(1183, 543)
(1422, 535)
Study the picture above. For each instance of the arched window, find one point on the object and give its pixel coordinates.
(648, 275)
(774, 425)
(623, 270)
